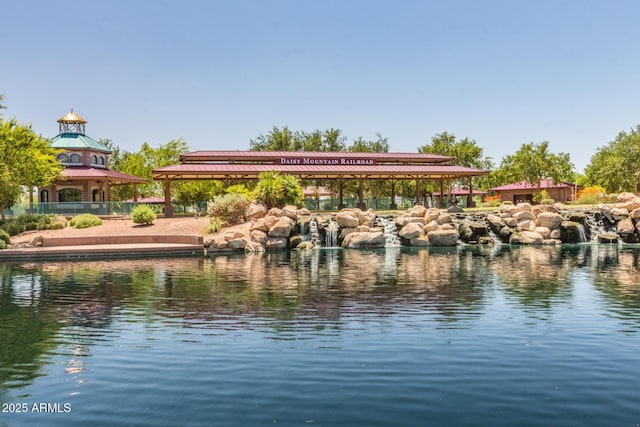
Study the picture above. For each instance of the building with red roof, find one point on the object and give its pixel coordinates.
(524, 191)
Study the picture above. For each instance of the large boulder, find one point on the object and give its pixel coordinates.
(258, 236)
(431, 226)
(419, 241)
(411, 230)
(256, 210)
(526, 238)
(367, 218)
(443, 237)
(364, 240)
(403, 220)
(472, 231)
(282, 228)
(550, 220)
(348, 219)
(635, 214)
(237, 244)
(417, 211)
(276, 244)
(431, 214)
(524, 215)
(443, 218)
(495, 222)
(290, 211)
(526, 225)
(572, 232)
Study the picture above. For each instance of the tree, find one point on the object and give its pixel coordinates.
(533, 163)
(143, 162)
(286, 140)
(2, 107)
(191, 192)
(26, 159)
(275, 189)
(614, 165)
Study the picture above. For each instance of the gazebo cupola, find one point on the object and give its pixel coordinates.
(71, 123)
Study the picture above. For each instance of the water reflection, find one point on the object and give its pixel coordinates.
(44, 304)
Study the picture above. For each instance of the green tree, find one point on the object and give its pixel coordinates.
(275, 189)
(533, 163)
(188, 193)
(287, 140)
(26, 159)
(614, 165)
(143, 162)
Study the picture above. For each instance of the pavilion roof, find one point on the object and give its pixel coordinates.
(526, 185)
(71, 117)
(252, 170)
(84, 173)
(239, 156)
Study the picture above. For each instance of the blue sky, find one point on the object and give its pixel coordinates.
(218, 74)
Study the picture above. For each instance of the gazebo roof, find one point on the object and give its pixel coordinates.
(77, 141)
(71, 117)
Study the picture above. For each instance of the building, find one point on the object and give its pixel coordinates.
(524, 191)
(86, 178)
(233, 166)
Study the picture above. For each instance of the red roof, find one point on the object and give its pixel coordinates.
(525, 185)
(84, 173)
(273, 156)
(460, 192)
(252, 170)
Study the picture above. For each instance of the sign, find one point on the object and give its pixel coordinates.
(341, 161)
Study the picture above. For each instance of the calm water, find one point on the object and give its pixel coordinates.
(465, 337)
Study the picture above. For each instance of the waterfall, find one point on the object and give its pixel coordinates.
(331, 237)
(390, 231)
(596, 226)
(313, 231)
(582, 236)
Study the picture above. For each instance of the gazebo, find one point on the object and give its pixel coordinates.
(86, 177)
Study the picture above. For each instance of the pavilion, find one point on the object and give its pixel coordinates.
(338, 166)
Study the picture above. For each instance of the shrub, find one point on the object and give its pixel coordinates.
(3, 245)
(215, 226)
(143, 214)
(274, 189)
(4, 237)
(27, 222)
(547, 201)
(587, 199)
(229, 208)
(492, 201)
(85, 221)
(239, 189)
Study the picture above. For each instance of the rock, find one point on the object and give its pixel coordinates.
(619, 213)
(472, 231)
(571, 232)
(367, 218)
(625, 226)
(580, 217)
(418, 211)
(258, 236)
(282, 228)
(495, 222)
(543, 231)
(290, 211)
(305, 245)
(431, 214)
(303, 212)
(431, 226)
(345, 232)
(276, 244)
(401, 221)
(362, 228)
(524, 215)
(260, 225)
(277, 212)
(253, 247)
(294, 241)
(348, 219)
(455, 209)
(447, 226)
(510, 222)
(232, 235)
(555, 234)
(411, 230)
(364, 240)
(635, 214)
(419, 241)
(505, 234)
(526, 225)
(236, 244)
(256, 211)
(607, 238)
(550, 220)
(507, 209)
(443, 237)
(443, 218)
(37, 241)
(526, 238)
(523, 207)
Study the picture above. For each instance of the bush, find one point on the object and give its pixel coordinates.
(4, 237)
(239, 189)
(215, 226)
(85, 221)
(27, 222)
(274, 189)
(229, 208)
(143, 214)
(3, 245)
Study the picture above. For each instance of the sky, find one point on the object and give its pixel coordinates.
(221, 73)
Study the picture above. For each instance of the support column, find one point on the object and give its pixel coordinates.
(418, 185)
(168, 209)
(440, 205)
(393, 205)
(470, 196)
(340, 188)
(361, 204)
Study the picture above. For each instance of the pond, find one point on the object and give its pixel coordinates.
(466, 336)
